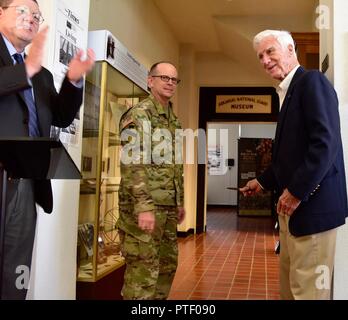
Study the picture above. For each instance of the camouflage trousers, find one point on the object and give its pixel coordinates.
(151, 265)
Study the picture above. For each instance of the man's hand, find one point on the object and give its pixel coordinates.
(33, 61)
(78, 67)
(251, 188)
(181, 214)
(146, 221)
(287, 203)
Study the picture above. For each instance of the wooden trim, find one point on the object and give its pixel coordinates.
(307, 47)
(306, 37)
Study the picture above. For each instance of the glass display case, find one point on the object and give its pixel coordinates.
(108, 94)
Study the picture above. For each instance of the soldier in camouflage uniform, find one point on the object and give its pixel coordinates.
(151, 196)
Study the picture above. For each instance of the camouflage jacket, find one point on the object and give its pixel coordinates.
(152, 177)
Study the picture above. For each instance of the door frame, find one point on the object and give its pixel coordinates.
(207, 113)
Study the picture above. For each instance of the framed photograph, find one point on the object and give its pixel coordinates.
(86, 164)
(215, 160)
(85, 233)
(67, 51)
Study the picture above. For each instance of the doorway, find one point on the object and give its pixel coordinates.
(222, 148)
(222, 171)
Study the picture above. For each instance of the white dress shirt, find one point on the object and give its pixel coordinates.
(284, 86)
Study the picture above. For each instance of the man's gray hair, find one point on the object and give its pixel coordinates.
(283, 37)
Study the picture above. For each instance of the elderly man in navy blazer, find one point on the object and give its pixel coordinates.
(307, 170)
(29, 105)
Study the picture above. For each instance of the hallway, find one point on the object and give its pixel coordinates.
(234, 260)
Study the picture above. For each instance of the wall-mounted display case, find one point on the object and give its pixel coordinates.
(108, 94)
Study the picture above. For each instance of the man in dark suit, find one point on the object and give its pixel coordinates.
(307, 170)
(29, 105)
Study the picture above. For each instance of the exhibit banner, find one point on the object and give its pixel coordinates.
(71, 29)
(254, 156)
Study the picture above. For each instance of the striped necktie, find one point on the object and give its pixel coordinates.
(29, 99)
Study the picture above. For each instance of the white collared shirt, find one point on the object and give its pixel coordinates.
(11, 49)
(284, 86)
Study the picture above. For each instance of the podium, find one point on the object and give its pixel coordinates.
(30, 158)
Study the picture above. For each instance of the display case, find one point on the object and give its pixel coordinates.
(108, 94)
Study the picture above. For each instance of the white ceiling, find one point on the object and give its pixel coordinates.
(228, 26)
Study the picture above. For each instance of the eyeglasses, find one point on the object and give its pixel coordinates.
(24, 10)
(166, 79)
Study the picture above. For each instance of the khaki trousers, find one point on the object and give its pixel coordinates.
(306, 264)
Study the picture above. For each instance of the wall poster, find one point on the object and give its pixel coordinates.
(70, 37)
(254, 157)
(215, 161)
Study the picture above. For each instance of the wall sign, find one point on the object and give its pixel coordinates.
(108, 48)
(254, 156)
(325, 64)
(244, 104)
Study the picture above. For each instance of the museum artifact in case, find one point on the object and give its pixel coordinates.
(116, 83)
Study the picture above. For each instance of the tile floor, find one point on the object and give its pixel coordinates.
(234, 260)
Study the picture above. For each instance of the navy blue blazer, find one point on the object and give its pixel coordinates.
(58, 109)
(307, 155)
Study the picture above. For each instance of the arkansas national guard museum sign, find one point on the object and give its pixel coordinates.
(244, 104)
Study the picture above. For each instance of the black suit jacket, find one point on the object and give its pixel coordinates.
(52, 108)
(308, 156)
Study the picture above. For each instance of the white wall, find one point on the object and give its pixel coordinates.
(217, 184)
(139, 26)
(53, 274)
(327, 37)
(216, 69)
(188, 96)
(257, 130)
(336, 44)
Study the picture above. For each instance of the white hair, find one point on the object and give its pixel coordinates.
(283, 37)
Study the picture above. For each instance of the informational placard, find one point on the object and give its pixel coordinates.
(254, 157)
(215, 161)
(243, 104)
(108, 48)
(71, 28)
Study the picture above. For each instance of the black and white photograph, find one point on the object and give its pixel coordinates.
(110, 50)
(215, 160)
(67, 51)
